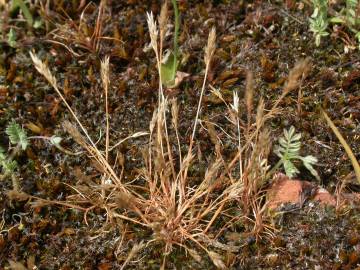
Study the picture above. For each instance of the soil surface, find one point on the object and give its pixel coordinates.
(265, 37)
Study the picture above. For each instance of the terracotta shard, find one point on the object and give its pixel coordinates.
(286, 190)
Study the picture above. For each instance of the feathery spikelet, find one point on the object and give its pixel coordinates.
(43, 69)
(235, 105)
(153, 121)
(260, 113)
(153, 31)
(174, 113)
(211, 45)
(249, 93)
(301, 69)
(217, 93)
(210, 174)
(163, 19)
(104, 70)
(74, 133)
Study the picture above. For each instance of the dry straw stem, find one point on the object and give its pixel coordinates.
(347, 148)
(43, 69)
(179, 213)
(175, 121)
(217, 260)
(95, 39)
(209, 52)
(154, 43)
(72, 33)
(158, 52)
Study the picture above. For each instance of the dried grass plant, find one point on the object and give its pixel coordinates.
(182, 207)
(70, 33)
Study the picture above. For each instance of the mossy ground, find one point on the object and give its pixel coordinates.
(266, 38)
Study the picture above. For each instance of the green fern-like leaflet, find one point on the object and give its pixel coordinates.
(8, 166)
(289, 151)
(17, 135)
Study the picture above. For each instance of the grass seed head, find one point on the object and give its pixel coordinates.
(260, 113)
(74, 133)
(163, 20)
(235, 105)
(174, 113)
(104, 70)
(249, 93)
(211, 45)
(43, 69)
(300, 70)
(153, 31)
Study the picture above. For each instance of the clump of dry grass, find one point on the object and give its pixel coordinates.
(179, 210)
(69, 33)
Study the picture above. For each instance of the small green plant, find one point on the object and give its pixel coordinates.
(11, 38)
(17, 135)
(18, 138)
(347, 16)
(8, 166)
(319, 20)
(19, 142)
(170, 63)
(288, 151)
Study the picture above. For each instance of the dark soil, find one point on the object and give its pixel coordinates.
(266, 38)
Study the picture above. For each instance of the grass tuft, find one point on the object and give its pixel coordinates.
(183, 206)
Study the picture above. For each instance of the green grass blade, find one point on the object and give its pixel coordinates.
(25, 11)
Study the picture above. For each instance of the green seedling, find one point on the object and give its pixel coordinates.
(19, 142)
(8, 166)
(11, 38)
(319, 20)
(17, 135)
(170, 63)
(348, 17)
(288, 151)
